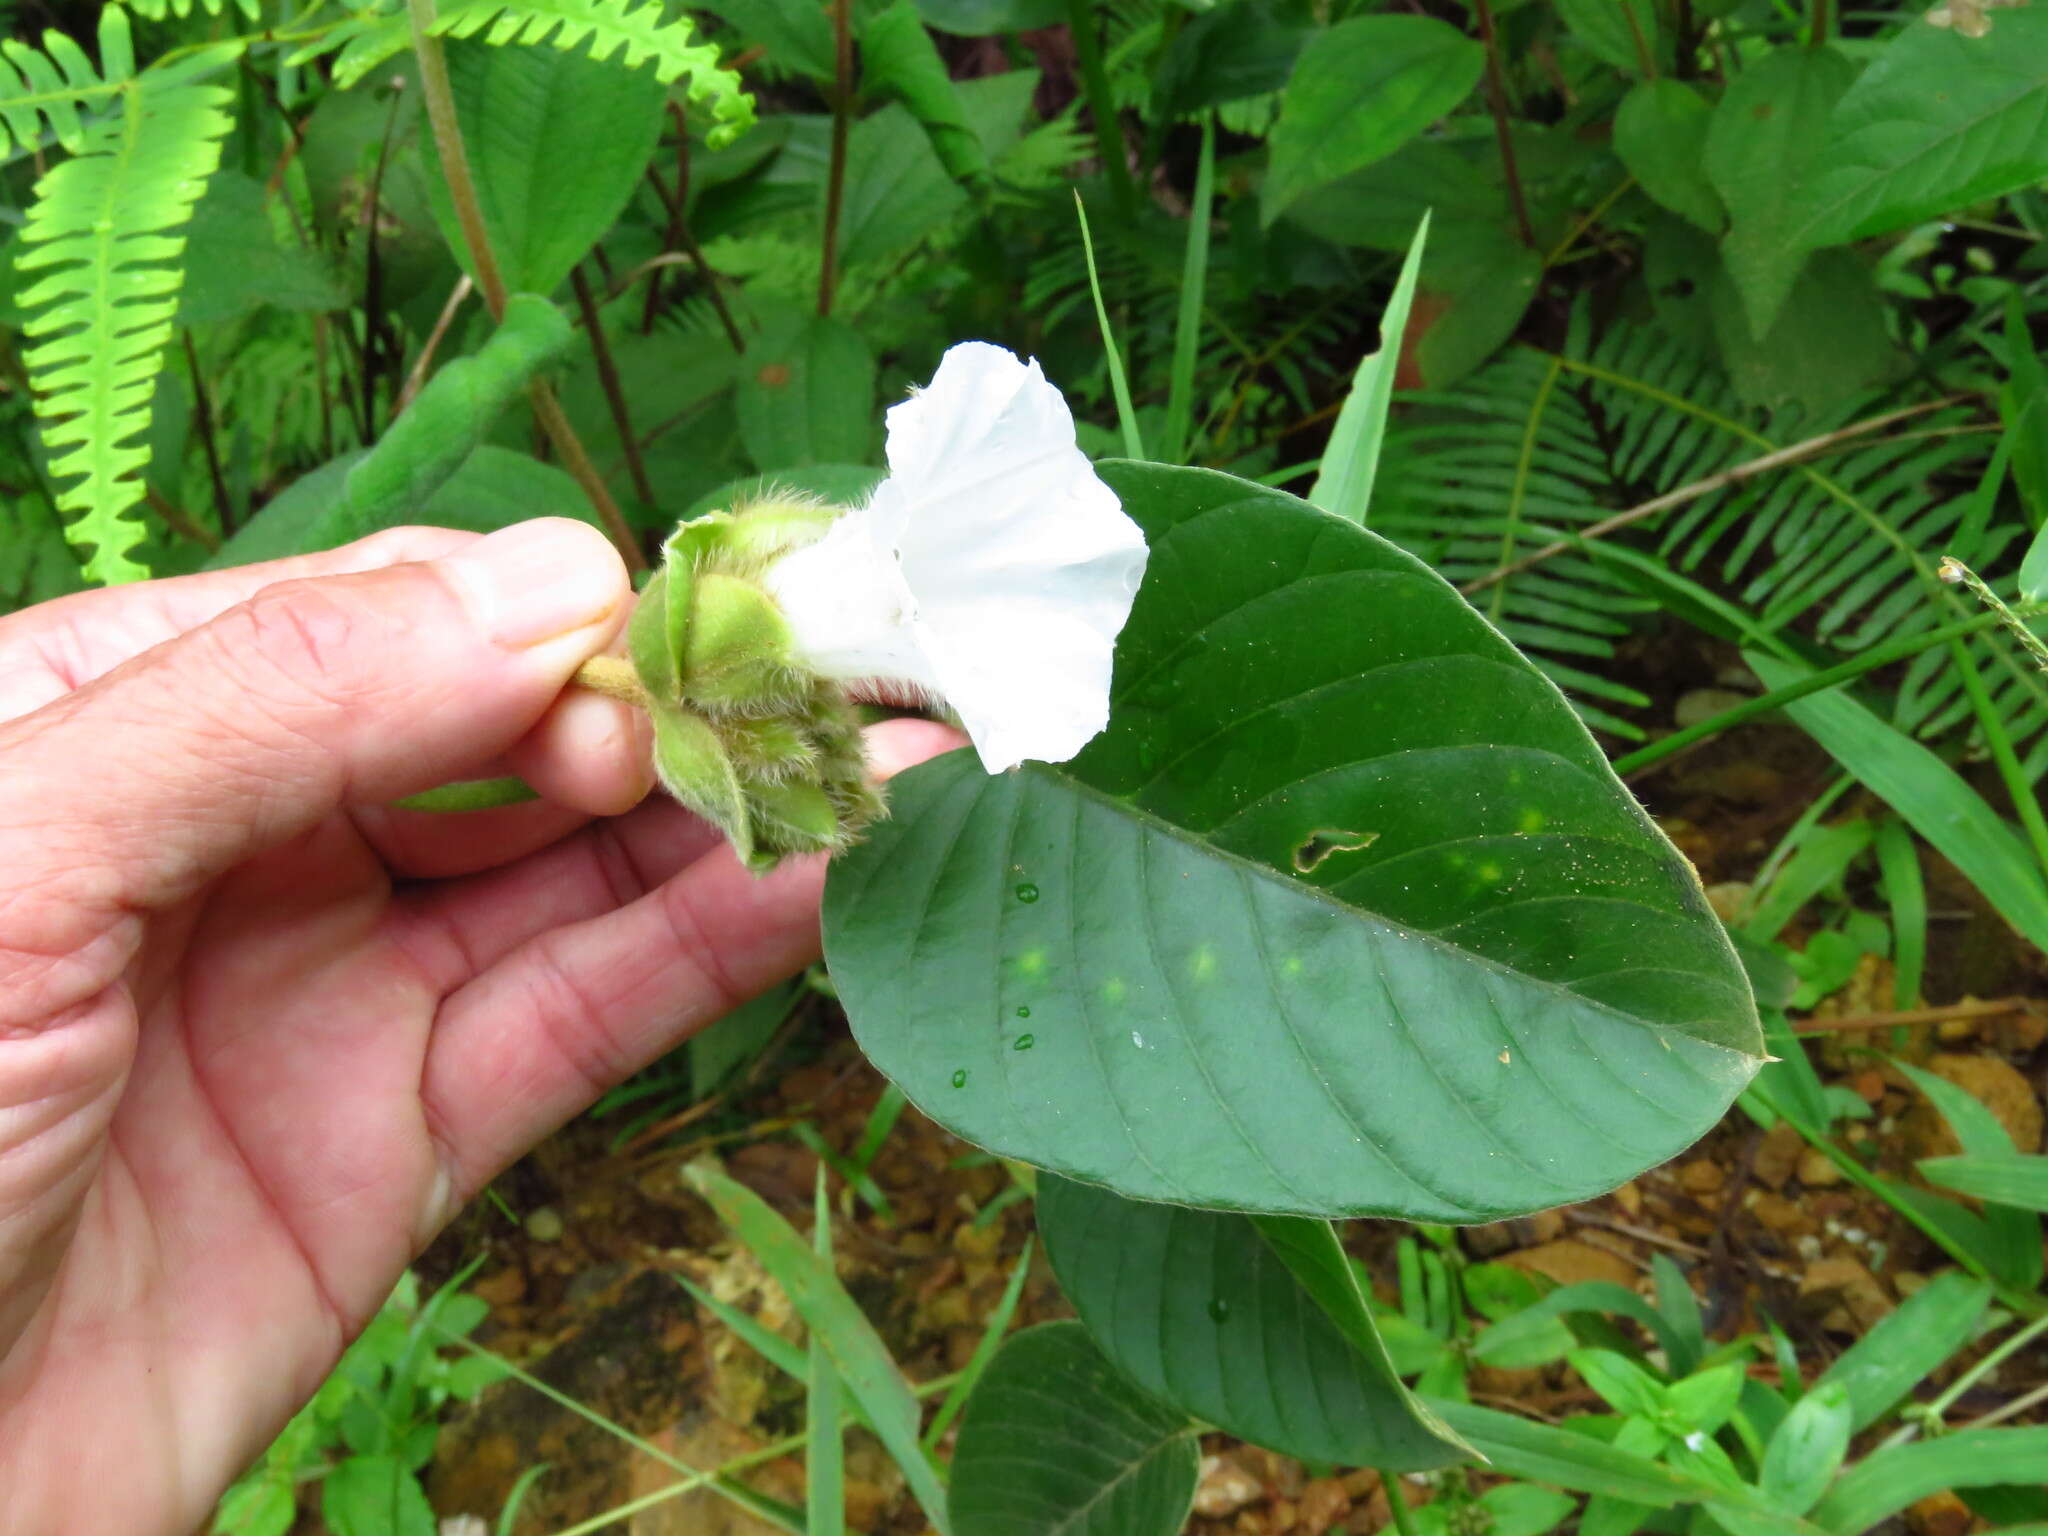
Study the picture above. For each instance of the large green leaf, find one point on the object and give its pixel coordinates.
(1618, 32)
(556, 144)
(1887, 1481)
(1344, 913)
(1359, 92)
(1202, 1310)
(1939, 121)
(1765, 133)
(1660, 133)
(806, 394)
(1057, 1442)
(2015, 1179)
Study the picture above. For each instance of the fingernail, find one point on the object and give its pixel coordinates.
(534, 581)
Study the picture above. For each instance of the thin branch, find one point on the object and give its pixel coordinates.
(1497, 102)
(175, 519)
(842, 128)
(1903, 1018)
(1777, 458)
(608, 377)
(418, 376)
(202, 409)
(672, 237)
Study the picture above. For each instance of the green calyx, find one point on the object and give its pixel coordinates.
(745, 736)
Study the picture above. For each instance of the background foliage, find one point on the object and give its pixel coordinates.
(1723, 329)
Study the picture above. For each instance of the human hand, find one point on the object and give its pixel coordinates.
(261, 1035)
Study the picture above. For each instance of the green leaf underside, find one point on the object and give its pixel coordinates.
(1056, 1440)
(1510, 995)
(1199, 1309)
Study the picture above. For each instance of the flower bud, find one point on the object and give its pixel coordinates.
(736, 652)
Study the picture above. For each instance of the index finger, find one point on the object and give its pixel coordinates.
(58, 647)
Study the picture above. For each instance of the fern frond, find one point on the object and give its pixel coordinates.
(639, 32)
(51, 86)
(1839, 549)
(104, 224)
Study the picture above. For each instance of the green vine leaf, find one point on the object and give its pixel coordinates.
(104, 228)
(1511, 996)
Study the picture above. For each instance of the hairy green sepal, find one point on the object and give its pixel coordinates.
(744, 735)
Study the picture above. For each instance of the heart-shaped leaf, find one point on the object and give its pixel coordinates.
(1344, 913)
(1201, 1309)
(1056, 1442)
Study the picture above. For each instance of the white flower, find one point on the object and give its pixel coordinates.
(991, 568)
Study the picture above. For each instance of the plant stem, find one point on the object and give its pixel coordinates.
(614, 678)
(1497, 103)
(1817, 35)
(418, 376)
(202, 408)
(1397, 1502)
(469, 214)
(1869, 661)
(608, 377)
(1109, 137)
(2000, 742)
(1904, 1018)
(842, 128)
(440, 96)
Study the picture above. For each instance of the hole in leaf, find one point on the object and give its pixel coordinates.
(1324, 841)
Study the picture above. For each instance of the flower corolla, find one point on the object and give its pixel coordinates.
(992, 568)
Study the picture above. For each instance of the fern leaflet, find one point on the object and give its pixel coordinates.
(157, 10)
(639, 32)
(104, 226)
(36, 88)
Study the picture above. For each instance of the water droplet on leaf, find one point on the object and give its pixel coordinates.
(1027, 892)
(1024, 1042)
(1024, 1013)
(959, 1077)
(1219, 1309)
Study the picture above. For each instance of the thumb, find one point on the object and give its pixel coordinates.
(313, 694)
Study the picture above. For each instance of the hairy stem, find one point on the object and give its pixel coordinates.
(614, 678)
(469, 213)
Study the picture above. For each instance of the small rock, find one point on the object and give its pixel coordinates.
(544, 1224)
(1846, 1283)
(2002, 1090)
(1729, 898)
(1323, 1503)
(464, 1525)
(1569, 1261)
(1224, 1487)
(1701, 1176)
(1489, 1241)
(1777, 1155)
(1629, 1197)
(1869, 1085)
(1780, 1215)
(1955, 1031)
(1939, 1514)
(1817, 1169)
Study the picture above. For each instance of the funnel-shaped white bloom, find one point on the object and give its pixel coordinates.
(991, 568)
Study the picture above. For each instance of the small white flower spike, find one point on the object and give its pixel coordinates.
(992, 568)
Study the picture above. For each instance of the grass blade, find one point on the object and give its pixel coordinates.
(862, 1360)
(1126, 416)
(825, 1453)
(1344, 485)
